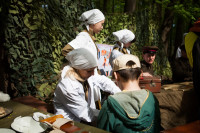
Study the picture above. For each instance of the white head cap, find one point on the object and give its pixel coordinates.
(124, 36)
(91, 17)
(81, 58)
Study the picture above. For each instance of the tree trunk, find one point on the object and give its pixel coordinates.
(5, 83)
(129, 6)
(167, 25)
(105, 6)
(179, 35)
(113, 6)
(4, 71)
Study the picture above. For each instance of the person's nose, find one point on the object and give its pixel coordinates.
(151, 57)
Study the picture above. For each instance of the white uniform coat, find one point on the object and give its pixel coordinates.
(115, 53)
(69, 97)
(83, 40)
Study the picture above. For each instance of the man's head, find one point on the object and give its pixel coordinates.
(126, 67)
(149, 54)
(83, 62)
(196, 26)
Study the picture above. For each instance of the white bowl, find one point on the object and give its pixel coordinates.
(6, 130)
(27, 125)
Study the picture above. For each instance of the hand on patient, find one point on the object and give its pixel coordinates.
(146, 74)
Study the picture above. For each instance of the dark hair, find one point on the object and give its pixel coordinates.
(134, 40)
(182, 47)
(130, 73)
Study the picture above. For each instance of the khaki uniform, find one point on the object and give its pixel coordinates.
(147, 67)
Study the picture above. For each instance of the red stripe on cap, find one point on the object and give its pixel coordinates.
(152, 50)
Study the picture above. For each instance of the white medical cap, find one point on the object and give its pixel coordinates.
(81, 58)
(91, 17)
(124, 36)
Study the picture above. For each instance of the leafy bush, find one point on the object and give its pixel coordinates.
(35, 34)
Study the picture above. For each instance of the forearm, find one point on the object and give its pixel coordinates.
(104, 83)
(67, 49)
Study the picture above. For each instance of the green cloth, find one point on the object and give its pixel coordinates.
(129, 112)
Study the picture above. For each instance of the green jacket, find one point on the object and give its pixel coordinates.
(130, 112)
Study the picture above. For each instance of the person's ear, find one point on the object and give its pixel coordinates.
(116, 75)
(91, 27)
(141, 75)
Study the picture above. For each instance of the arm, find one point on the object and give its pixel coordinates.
(67, 49)
(103, 118)
(146, 74)
(78, 42)
(104, 83)
(73, 99)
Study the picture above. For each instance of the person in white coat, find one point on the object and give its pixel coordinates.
(75, 97)
(124, 40)
(93, 20)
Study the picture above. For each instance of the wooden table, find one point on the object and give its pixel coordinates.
(178, 106)
(24, 110)
(193, 127)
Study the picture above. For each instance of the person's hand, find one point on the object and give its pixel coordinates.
(146, 74)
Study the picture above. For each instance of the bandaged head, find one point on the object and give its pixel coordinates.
(81, 58)
(124, 36)
(91, 17)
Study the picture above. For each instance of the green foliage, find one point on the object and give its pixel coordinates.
(115, 22)
(35, 34)
(189, 10)
(110, 6)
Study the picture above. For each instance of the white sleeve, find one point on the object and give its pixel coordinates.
(104, 83)
(64, 71)
(72, 100)
(80, 41)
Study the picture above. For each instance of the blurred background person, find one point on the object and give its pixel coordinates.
(192, 46)
(148, 55)
(182, 71)
(124, 40)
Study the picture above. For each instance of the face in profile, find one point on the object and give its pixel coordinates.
(149, 57)
(127, 45)
(97, 27)
(86, 73)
